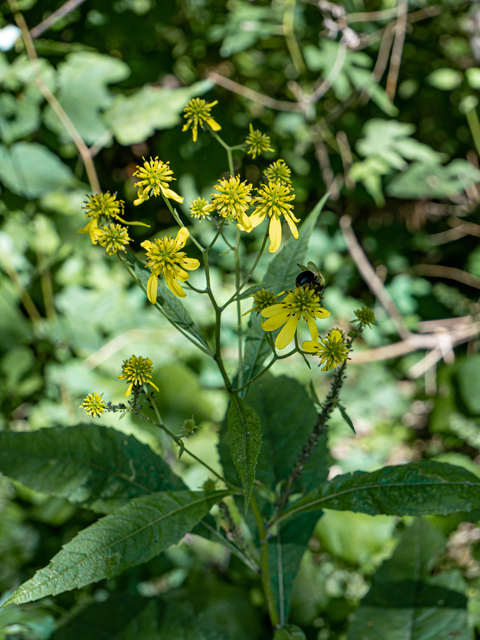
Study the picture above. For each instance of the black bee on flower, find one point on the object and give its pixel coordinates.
(311, 277)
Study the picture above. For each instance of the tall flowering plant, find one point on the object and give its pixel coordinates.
(273, 444)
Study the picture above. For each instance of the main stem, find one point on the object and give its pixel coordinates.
(239, 310)
(264, 566)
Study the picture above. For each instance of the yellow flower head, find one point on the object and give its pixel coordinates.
(278, 171)
(232, 201)
(93, 405)
(197, 112)
(273, 199)
(113, 237)
(332, 350)
(365, 316)
(137, 372)
(100, 205)
(199, 209)
(164, 258)
(154, 178)
(257, 142)
(301, 303)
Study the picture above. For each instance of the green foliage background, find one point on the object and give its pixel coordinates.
(123, 72)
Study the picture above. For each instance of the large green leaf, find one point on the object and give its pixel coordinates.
(414, 489)
(135, 118)
(245, 439)
(130, 536)
(407, 602)
(282, 268)
(168, 303)
(95, 467)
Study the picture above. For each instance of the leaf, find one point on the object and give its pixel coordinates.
(135, 118)
(95, 467)
(414, 489)
(282, 268)
(83, 92)
(346, 417)
(245, 439)
(467, 377)
(168, 303)
(130, 536)
(18, 117)
(407, 602)
(289, 632)
(445, 79)
(180, 623)
(29, 169)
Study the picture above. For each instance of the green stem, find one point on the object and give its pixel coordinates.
(228, 149)
(289, 33)
(474, 124)
(264, 566)
(178, 220)
(239, 310)
(265, 369)
(219, 231)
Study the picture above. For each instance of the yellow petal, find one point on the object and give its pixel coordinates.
(312, 327)
(168, 193)
(292, 227)
(336, 335)
(182, 236)
(244, 220)
(174, 285)
(323, 313)
(272, 310)
(153, 385)
(129, 390)
(190, 263)
(179, 274)
(287, 333)
(257, 218)
(152, 287)
(275, 233)
(311, 346)
(270, 324)
(214, 125)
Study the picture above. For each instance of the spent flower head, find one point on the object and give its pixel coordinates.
(232, 200)
(137, 371)
(262, 299)
(189, 427)
(154, 178)
(301, 303)
(199, 209)
(273, 199)
(257, 142)
(365, 316)
(332, 350)
(197, 112)
(113, 238)
(209, 485)
(164, 258)
(278, 171)
(93, 405)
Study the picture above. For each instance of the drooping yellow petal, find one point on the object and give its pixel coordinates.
(168, 193)
(287, 333)
(180, 274)
(174, 285)
(292, 226)
(182, 237)
(312, 327)
(153, 385)
(272, 310)
(275, 233)
(311, 346)
(152, 287)
(190, 263)
(129, 390)
(212, 124)
(323, 313)
(257, 218)
(244, 221)
(270, 324)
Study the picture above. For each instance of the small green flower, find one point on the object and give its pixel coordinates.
(154, 178)
(278, 171)
(137, 371)
(365, 316)
(197, 112)
(209, 485)
(262, 299)
(93, 405)
(189, 427)
(257, 142)
(199, 209)
(332, 350)
(113, 237)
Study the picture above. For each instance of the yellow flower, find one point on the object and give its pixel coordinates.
(114, 238)
(100, 205)
(232, 201)
(332, 350)
(166, 259)
(301, 303)
(257, 142)
(137, 372)
(278, 171)
(197, 112)
(93, 405)
(199, 209)
(274, 199)
(155, 176)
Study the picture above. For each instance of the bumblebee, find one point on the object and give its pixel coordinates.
(311, 277)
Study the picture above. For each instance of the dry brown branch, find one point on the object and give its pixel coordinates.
(321, 154)
(397, 49)
(446, 236)
(468, 228)
(346, 155)
(61, 12)
(449, 273)
(371, 278)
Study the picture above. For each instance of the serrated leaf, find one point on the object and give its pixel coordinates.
(245, 440)
(92, 466)
(414, 489)
(168, 303)
(130, 536)
(346, 417)
(283, 268)
(407, 602)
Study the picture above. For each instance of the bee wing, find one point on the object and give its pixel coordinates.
(303, 267)
(311, 266)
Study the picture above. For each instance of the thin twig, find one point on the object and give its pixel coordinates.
(450, 273)
(61, 12)
(321, 154)
(371, 278)
(397, 50)
(335, 71)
